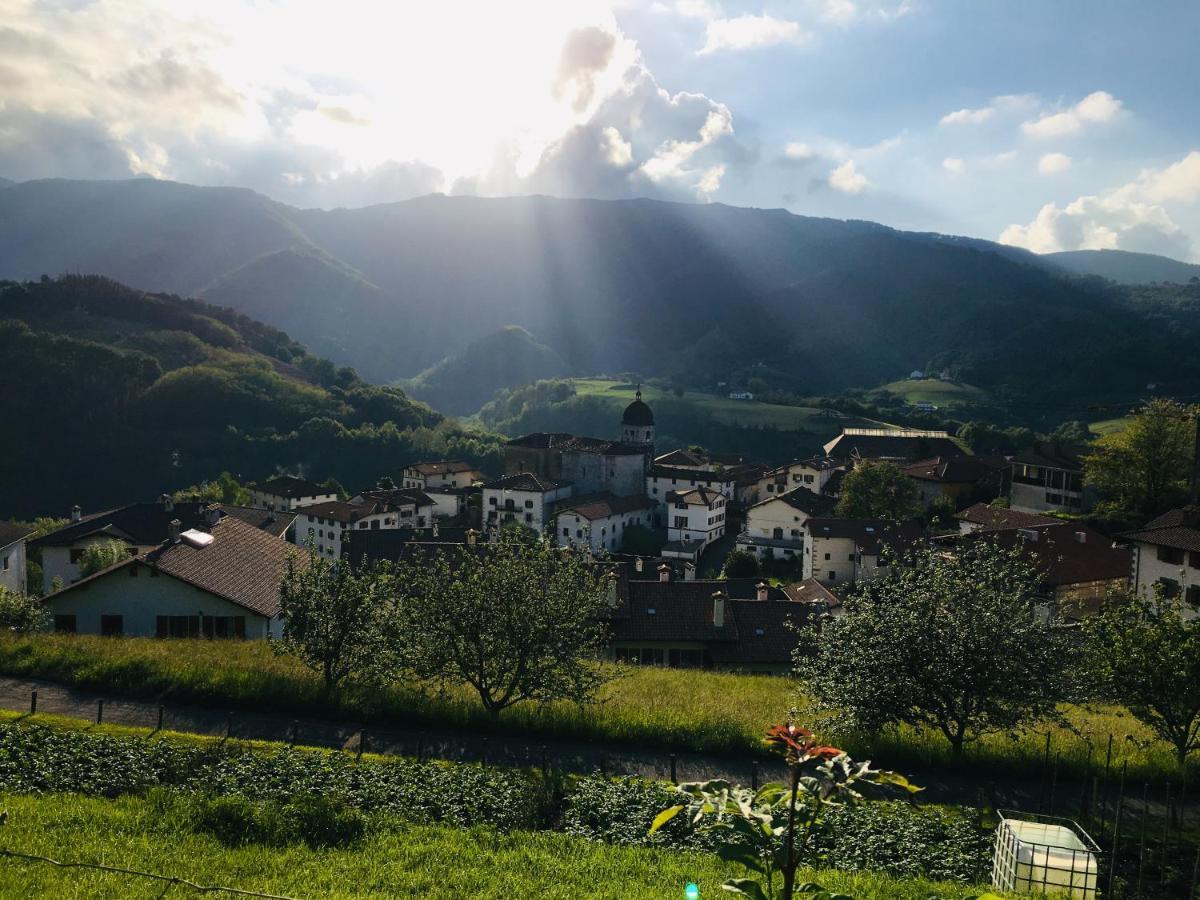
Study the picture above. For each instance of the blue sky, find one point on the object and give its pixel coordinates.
(1053, 125)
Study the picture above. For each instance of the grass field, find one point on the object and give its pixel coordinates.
(647, 707)
(1110, 426)
(394, 860)
(750, 413)
(940, 393)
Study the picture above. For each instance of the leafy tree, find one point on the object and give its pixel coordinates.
(878, 490)
(1145, 655)
(102, 555)
(225, 488)
(941, 515)
(386, 483)
(1073, 432)
(516, 620)
(641, 541)
(21, 612)
(333, 615)
(741, 564)
(1145, 470)
(949, 641)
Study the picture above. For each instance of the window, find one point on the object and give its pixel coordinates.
(1170, 555)
(112, 626)
(827, 556)
(4, 563)
(1194, 559)
(681, 521)
(529, 504)
(1192, 597)
(833, 576)
(1170, 587)
(808, 479)
(777, 534)
(491, 501)
(566, 532)
(851, 557)
(64, 624)
(528, 517)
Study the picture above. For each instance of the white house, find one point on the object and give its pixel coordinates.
(285, 492)
(844, 551)
(1048, 477)
(220, 581)
(444, 473)
(775, 526)
(696, 514)
(12, 556)
(814, 474)
(325, 524)
(1166, 553)
(523, 497)
(741, 395)
(662, 480)
(599, 521)
(139, 526)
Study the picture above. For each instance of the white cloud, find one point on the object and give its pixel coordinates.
(1095, 108)
(847, 178)
(953, 165)
(799, 151)
(618, 151)
(748, 32)
(1054, 164)
(1133, 216)
(839, 11)
(968, 116)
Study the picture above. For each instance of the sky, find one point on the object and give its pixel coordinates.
(1047, 124)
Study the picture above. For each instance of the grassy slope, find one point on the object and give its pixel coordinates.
(1110, 426)
(393, 861)
(652, 708)
(931, 390)
(733, 412)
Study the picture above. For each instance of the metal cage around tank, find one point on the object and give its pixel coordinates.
(1041, 855)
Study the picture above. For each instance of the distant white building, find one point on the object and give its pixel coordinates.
(444, 473)
(327, 524)
(775, 526)
(662, 480)
(741, 395)
(525, 498)
(287, 492)
(599, 521)
(12, 557)
(813, 473)
(844, 551)
(696, 514)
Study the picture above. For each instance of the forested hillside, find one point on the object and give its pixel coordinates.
(112, 394)
(692, 291)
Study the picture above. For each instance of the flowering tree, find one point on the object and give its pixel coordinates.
(769, 830)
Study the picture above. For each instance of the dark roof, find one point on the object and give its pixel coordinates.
(804, 500)
(1066, 552)
(368, 503)
(954, 469)
(1053, 456)
(991, 517)
(243, 564)
(564, 442)
(870, 535)
(291, 487)
(442, 467)
(525, 481)
(276, 523)
(377, 544)
(604, 504)
(11, 532)
(766, 633)
(637, 413)
(691, 474)
(395, 496)
(879, 443)
(819, 463)
(699, 496)
(144, 524)
(682, 458)
(1179, 529)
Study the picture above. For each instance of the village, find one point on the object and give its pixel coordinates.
(715, 558)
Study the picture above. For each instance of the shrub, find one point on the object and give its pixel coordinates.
(616, 811)
(234, 820)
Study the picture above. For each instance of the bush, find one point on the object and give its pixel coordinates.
(22, 613)
(741, 564)
(616, 811)
(234, 820)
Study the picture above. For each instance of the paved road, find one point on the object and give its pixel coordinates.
(566, 755)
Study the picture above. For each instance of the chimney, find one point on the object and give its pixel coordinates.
(168, 504)
(612, 579)
(718, 609)
(664, 572)
(173, 530)
(472, 536)
(689, 571)
(639, 564)
(76, 513)
(762, 589)
(212, 515)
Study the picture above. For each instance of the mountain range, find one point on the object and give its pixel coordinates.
(702, 292)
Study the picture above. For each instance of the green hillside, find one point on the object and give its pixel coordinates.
(464, 381)
(940, 393)
(118, 395)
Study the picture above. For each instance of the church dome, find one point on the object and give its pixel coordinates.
(638, 413)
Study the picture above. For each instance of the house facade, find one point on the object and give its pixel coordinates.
(445, 473)
(895, 444)
(814, 474)
(958, 479)
(696, 514)
(524, 498)
(287, 492)
(845, 551)
(1165, 554)
(1048, 477)
(327, 524)
(662, 480)
(12, 557)
(599, 521)
(775, 526)
(219, 581)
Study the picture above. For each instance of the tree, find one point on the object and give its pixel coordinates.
(333, 615)
(225, 488)
(1145, 470)
(878, 490)
(741, 564)
(949, 641)
(21, 613)
(1145, 655)
(101, 555)
(940, 515)
(516, 620)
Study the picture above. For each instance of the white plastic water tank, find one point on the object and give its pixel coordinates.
(1042, 855)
